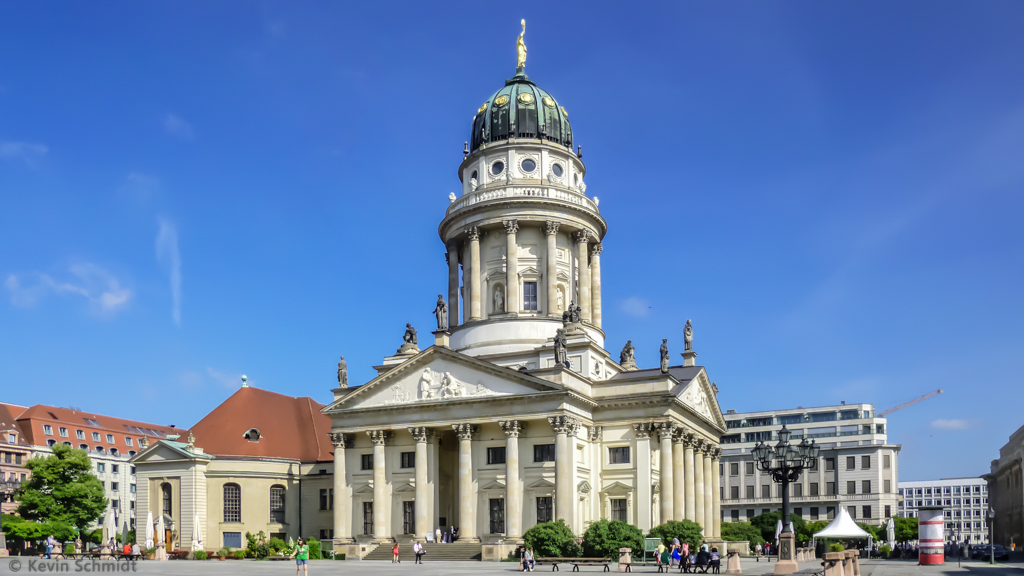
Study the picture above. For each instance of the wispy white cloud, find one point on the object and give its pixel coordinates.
(178, 126)
(100, 288)
(942, 424)
(140, 186)
(636, 307)
(24, 151)
(169, 256)
(227, 380)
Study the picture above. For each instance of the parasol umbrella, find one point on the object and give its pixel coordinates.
(149, 530)
(160, 531)
(778, 530)
(109, 527)
(124, 533)
(197, 534)
(890, 532)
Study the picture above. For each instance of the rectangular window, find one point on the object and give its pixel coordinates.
(131, 488)
(232, 503)
(544, 453)
(734, 515)
(127, 441)
(830, 464)
(814, 488)
(830, 512)
(114, 468)
(277, 509)
(619, 509)
(115, 486)
(367, 518)
(750, 468)
(814, 512)
(851, 462)
(853, 511)
(766, 491)
(63, 431)
(750, 513)
(544, 509)
(324, 499)
(7, 460)
(408, 461)
(799, 512)
(529, 300)
(366, 461)
(233, 539)
(409, 517)
(865, 462)
(497, 514)
(887, 461)
(496, 455)
(887, 484)
(110, 438)
(830, 488)
(618, 455)
(888, 511)
(867, 511)
(95, 436)
(851, 487)
(750, 492)
(79, 434)
(865, 486)
(101, 467)
(734, 492)
(734, 469)
(47, 429)
(798, 489)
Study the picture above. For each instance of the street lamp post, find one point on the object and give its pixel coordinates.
(992, 535)
(6, 489)
(784, 463)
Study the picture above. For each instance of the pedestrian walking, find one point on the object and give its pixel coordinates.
(418, 549)
(50, 543)
(394, 554)
(661, 552)
(437, 535)
(301, 555)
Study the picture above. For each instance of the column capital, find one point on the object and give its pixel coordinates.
(664, 429)
(421, 433)
(697, 443)
(582, 236)
(716, 453)
(642, 430)
(473, 233)
(379, 437)
(595, 250)
(511, 226)
(564, 424)
(594, 433)
(340, 439)
(512, 428)
(551, 227)
(679, 435)
(465, 431)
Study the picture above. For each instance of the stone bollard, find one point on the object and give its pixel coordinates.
(733, 564)
(625, 559)
(853, 564)
(834, 564)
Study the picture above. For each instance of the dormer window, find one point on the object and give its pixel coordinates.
(253, 435)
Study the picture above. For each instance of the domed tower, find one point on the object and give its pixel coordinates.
(525, 233)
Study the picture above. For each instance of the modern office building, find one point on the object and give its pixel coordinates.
(857, 466)
(1006, 489)
(965, 501)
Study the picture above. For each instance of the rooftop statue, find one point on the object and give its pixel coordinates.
(561, 359)
(342, 372)
(688, 337)
(521, 48)
(628, 355)
(441, 312)
(410, 334)
(664, 355)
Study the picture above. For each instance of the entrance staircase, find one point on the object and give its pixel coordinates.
(455, 552)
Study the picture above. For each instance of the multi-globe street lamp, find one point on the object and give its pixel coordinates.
(784, 463)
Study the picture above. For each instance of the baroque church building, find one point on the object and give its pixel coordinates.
(516, 414)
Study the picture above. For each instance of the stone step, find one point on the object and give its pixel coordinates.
(455, 552)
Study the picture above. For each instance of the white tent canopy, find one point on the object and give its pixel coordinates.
(843, 527)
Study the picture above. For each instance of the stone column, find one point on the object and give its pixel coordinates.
(644, 498)
(667, 472)
(583, 279)
(423, 492)
(709, 490)
(552, 272)
(381, 510)
(453, 285)
(513, 491)
(341, 499)
(691, 484)
(698, 485)
(595, 285)
(565, 468)
(678, 476)
(467, 499)
(511, 267)
(475, 289)
(716, 496)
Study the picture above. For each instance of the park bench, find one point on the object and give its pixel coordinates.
(575, 562)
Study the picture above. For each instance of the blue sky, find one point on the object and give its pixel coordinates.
(191, 191)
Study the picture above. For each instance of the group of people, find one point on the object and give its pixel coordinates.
(766, 550)
(446, 536)
(676, 554)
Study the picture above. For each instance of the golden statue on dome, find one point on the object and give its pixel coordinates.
(521, 48)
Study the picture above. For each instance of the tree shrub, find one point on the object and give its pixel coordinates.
(739, 531)
(223, 552)
(835, 547)
(684, 530)
(905, 529)
(807, 532)
(314, 549)
(62, 488)
(604, 538)
(240, 554)
(200, 555)
(549, 539)
(278, 544)
(885, 549)
(767, 523)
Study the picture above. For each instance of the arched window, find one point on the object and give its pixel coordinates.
(51, 442)
(232, 503)
(165, 489)
(277, 504)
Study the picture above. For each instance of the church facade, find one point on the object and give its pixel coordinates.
(517, 414)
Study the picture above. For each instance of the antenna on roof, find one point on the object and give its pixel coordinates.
(244, 378)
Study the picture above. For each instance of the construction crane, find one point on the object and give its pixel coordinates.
(911, 403)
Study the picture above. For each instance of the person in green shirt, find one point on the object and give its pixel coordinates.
(301, 555)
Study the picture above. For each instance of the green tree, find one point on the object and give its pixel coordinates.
(62, 488)
(873, 530)
(604, 538)
(739, 531)
(905, 529)
(806, 534)
(550, 539)
(685, 530)
(767, 522)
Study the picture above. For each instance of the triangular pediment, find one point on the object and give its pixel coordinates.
(617, 488)
(493, 485)
(700, 397)
(405, 489)
(364, 489)
(439, 375)
(164, 451)
(542, 484)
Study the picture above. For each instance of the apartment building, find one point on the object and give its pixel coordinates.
(14, 452)
(857, 467)
(965, 501)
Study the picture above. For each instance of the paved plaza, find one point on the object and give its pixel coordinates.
(328, 567)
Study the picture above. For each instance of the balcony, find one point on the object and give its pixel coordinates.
(505, 193)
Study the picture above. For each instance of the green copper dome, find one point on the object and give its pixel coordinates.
(520, 110)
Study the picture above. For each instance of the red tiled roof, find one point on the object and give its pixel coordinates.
(9, 414)
(31, 421)
(289, 427)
